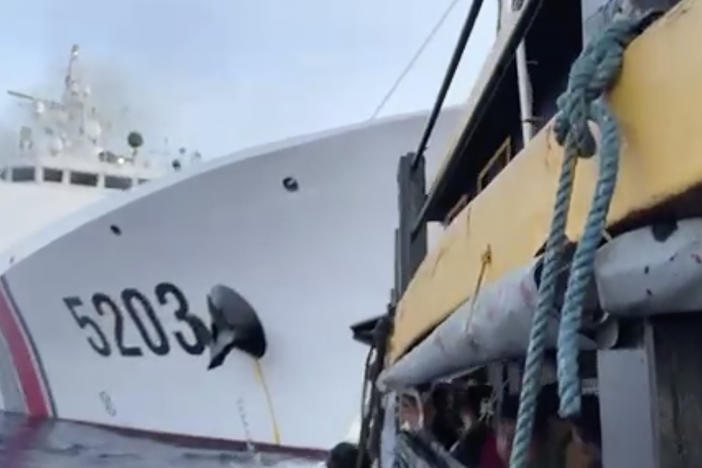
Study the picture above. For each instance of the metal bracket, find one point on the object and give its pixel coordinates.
(651, 396)
(411, 248)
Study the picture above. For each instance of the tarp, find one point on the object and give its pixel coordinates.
(652, 270)
(495, 327)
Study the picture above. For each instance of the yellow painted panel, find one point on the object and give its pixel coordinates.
(657, 102)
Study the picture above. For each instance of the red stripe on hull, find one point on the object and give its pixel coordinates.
(25, 366)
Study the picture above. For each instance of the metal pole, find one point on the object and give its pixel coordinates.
(448, 77)
(525, 99)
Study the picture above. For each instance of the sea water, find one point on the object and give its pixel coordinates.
(41, 443)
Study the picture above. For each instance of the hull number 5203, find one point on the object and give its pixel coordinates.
(141, 313)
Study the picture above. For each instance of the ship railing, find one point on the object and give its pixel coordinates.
(74, 177)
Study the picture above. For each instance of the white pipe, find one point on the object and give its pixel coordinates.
(525, 97)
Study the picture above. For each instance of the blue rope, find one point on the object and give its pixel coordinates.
(582, 267)
(591, 75)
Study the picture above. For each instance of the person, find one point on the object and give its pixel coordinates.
(506, 425)
(416, 411)
(446, 425)
(585, 448)
(476, 445)
(345, 455)
(550, 435)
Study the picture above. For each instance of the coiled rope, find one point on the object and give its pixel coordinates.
(590, 77)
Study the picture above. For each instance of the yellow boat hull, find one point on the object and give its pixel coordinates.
(657, 103)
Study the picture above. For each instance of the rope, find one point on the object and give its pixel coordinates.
(372, 414)
(485, 259)
(413, 60)
(366, 413)
(591, 76)
(589, 80)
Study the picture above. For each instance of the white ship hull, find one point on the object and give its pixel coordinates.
(311, 262)
(29, 208)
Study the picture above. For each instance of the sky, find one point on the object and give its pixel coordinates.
(222, 75)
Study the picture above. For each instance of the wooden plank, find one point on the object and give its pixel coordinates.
(655, 102)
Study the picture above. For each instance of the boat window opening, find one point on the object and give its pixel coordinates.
(142, 181)
(548, 74)
(118, 182)
(84, 178)
(500, 125)
(495, 164)
(453, 212)
(23, 174)
(3, 174)
(53, 175)
(549, 66)
(497, 114)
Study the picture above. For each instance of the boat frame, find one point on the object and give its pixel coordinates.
(653, 373)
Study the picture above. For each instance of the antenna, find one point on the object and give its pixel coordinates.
(135, 140)
(71, 62)
(47, 102)
(17, 94)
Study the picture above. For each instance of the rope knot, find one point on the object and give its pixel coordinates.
(591, 76)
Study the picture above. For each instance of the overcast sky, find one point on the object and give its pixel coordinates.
(220, 75)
